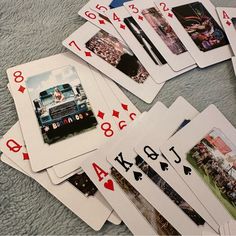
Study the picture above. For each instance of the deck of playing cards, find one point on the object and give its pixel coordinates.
(168, 171)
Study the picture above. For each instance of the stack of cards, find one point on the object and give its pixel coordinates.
(141, 45)
(168, 171)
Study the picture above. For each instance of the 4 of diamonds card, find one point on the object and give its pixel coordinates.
(198, 26)
(203, 154)
(59, 106)
(110, 55)
(142, 46)
(228, 19)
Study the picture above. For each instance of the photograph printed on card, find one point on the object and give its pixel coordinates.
(228, 19)
(81, 196)
(124, 159)
(142, 46)
(118, 192)
(64, 107)
(151, 161)
(202, 166)
(113, 57)
(197, 25)
(124, 113)
(158, 30)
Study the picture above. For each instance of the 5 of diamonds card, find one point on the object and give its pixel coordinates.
(59, 106)
(110, 54)
(198, 26)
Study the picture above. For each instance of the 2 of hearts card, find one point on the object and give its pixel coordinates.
(203, 155)
(60, 105)
(198, 27)
(228, 19)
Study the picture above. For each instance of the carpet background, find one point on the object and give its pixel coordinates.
(30, 30)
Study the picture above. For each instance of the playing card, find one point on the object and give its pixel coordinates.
(87, 203)
(97, 19)
(232, 227)
(112, 56)
(142, 46)
(148, 148)
(198, 26)
(59, 106)
(119, 193)
(124, 159)
(9, 162)
(123, 103)
(157, 28)
(228, 19)
(203, 154)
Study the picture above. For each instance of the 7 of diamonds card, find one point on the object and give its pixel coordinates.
(61, 112)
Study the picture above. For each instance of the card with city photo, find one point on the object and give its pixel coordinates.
(77, 193)
(123, 103)
(156, 27)
(64, 107)
(111, 55)
(126, 161)
(159, 170)
(227, 16)
(204, 174)
(198, 26)
(142, 46)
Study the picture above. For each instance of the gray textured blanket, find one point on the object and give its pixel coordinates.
(33, 29)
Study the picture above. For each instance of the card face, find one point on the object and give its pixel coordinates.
(157, 28)
(64, 107)
(124, 159)
(119, 192)
(122, 103)
(148, 149)
(198, 26)
(112, 56)
(80, 198)
(228, 20)
(210, 127)
(142, 46)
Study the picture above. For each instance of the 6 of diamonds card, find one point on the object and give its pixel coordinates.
(59, 106)
(203, 154)
(228, 19)
(109, 54)
(198, 26)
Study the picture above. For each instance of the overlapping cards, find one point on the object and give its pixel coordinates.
(168, 171)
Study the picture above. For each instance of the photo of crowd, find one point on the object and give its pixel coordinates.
(118, 55)
(158, 222)
(164, 30)
(201, 26)
(214, 158)
(169, 191)
(145, 42)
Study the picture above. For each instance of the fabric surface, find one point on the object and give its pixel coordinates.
(30, 30)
